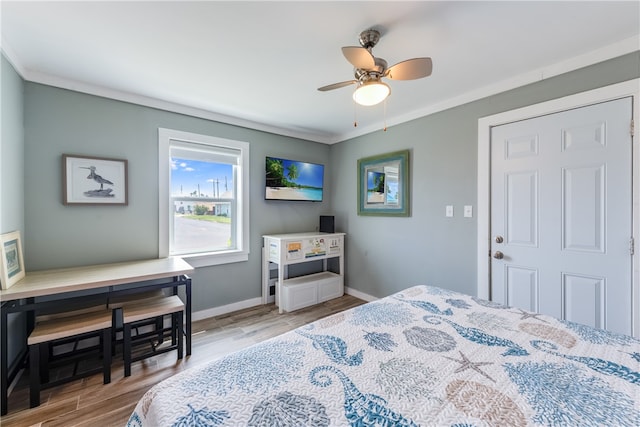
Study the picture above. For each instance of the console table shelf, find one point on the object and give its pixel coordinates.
(282, 250)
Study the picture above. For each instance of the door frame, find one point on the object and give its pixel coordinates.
(607, 93)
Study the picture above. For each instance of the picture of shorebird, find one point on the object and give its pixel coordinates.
(97, 178)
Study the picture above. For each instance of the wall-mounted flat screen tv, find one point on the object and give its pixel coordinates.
(293, 180)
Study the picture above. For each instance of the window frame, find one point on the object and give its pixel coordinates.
(165, 205)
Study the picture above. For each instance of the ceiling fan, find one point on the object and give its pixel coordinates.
(369, 70)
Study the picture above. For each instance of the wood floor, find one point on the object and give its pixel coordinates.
(88, 402)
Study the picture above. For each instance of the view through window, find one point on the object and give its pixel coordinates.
(204, 197)
(203, 200)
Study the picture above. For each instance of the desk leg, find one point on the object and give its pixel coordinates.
(4, 362)
(188, 315)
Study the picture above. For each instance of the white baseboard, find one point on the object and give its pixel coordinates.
(241, 305)
(358, 294)
(217, 311)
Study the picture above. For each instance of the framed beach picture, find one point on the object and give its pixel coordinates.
(94, 180)
(11, 264)
(383, 184)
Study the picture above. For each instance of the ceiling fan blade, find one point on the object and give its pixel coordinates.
(410, 69)
(359, 57)
(336, 85)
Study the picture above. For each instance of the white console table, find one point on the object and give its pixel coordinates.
(282, 250)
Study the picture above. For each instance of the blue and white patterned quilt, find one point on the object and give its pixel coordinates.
(421, 357)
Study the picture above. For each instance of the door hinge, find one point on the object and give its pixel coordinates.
(632, 246)
(632, 127)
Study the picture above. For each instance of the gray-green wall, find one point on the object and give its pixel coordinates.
(11, 150)
(12, 171)
(388, 254)
(383, 254)
(60, 122)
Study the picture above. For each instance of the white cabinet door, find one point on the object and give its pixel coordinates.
(561, 215)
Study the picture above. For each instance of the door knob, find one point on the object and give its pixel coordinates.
(499, 239)
(498, 255)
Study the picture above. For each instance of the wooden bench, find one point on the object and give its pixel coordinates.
(127, 299)
(136, 297)
(53, 327)
(128, 314)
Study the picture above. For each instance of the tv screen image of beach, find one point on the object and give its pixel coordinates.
(293, 180)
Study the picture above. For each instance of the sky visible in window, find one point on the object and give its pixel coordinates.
(210, 179)
(309, 174)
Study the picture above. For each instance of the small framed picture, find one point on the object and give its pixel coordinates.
(11, 264)
(94, 181)
(383, 184)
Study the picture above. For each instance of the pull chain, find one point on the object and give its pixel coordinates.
(355, 115)
(385, 115)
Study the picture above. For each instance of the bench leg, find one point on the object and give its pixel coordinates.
(106, 355)
(160, 329)
(34, 375)
(45, 354)
(180, 335)
(127, 349)
(174, 328)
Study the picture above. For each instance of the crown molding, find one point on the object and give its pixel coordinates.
(614, 50)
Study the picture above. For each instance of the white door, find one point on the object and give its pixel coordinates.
(561, 215)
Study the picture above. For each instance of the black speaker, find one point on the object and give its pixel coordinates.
(326, 224)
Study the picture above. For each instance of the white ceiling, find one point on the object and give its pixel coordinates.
(258, 64)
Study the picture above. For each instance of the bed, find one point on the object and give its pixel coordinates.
(424, 356)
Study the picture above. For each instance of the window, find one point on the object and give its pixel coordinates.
(204, 198)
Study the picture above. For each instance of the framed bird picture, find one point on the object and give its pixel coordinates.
(94, 180)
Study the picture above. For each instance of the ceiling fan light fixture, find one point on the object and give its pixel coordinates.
(371, 93)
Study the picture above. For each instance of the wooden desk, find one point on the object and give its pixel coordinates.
(107, 278)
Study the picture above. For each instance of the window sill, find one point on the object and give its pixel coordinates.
(214, 258)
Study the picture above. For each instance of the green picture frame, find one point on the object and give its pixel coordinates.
(383, 185)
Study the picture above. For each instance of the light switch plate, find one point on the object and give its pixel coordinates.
(448, 211)
(468, 211)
